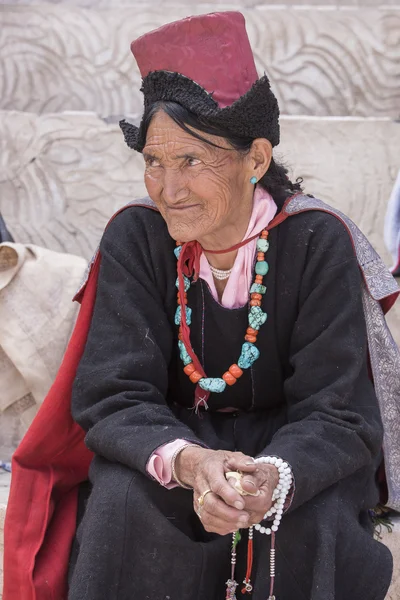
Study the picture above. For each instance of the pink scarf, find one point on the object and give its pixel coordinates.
(236, 293)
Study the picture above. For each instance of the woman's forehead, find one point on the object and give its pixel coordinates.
(164, 135)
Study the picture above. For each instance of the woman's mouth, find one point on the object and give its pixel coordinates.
(183, 207)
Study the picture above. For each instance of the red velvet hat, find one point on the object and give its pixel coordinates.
(205, 63)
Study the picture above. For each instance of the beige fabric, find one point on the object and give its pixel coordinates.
(36, 320)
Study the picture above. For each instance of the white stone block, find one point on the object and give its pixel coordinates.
(63, 176)
(5, 479)
(320, 61)
(2, 516)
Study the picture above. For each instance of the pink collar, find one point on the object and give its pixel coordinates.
(236, 293)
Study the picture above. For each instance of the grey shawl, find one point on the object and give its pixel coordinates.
(379, 285)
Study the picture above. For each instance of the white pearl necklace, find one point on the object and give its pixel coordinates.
(279, 494)
(220, 274)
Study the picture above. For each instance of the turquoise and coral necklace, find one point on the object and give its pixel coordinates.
(256, 318)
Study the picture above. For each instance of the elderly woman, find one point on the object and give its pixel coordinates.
(224, 385)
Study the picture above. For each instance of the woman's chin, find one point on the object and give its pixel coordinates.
(182, 232)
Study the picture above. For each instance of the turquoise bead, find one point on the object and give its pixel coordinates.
(256, 317)
(186, 282)
(262, 245)
(262, 267)
(177, 251)
(212, 384)
(185, 358)
(248, 356)
(178, 315)
(258, 288)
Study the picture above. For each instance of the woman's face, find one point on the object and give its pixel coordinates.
(199, 189)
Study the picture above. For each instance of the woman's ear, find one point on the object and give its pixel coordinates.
(260, 157)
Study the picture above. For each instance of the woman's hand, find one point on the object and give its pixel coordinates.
(223, 510)
(265, 479)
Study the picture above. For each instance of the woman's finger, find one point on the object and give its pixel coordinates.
(224, 490)
(215, 507)
(240, 462)
(251, 483)
(259, 504)
(214, 524)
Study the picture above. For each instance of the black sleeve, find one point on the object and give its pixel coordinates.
(121, 383)
(334, 425)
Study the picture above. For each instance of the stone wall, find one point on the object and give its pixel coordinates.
(64, 175)
(320, 62)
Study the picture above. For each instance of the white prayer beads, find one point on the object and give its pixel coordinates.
(279, 494)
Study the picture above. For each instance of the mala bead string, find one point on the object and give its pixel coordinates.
(272, 568)
(275, 513)
(247, 586)
(279, 494)
(232, 584)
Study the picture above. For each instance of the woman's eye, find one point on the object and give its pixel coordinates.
(152, 162)
(192, 162)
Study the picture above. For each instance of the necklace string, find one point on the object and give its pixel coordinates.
(189, 265)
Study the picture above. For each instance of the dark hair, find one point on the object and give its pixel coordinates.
(275, 181)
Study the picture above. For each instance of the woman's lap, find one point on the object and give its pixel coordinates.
(139, 540)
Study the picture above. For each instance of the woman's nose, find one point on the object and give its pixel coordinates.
(174, 187)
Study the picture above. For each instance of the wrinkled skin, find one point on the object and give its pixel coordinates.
(204, 193)
(225, 510)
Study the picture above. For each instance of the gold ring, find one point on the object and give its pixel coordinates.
(202, 497)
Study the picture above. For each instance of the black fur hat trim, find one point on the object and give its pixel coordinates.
(254, 115)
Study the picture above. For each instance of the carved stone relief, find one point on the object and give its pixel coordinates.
(320, 62)
(64, 175)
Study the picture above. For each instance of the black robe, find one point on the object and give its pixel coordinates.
(308, 399)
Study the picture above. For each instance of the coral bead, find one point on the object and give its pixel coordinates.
(255, 303)
(256, 296)
(260, 255)
(184, 300)
(189, 369)
(264, 234)
(251, 331)
(235, 371)
(250, 338)
(259, 278)
(195, 377)
(229, 378)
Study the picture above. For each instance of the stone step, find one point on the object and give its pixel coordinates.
(5, 480)
(321, 61)
(63, 175)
